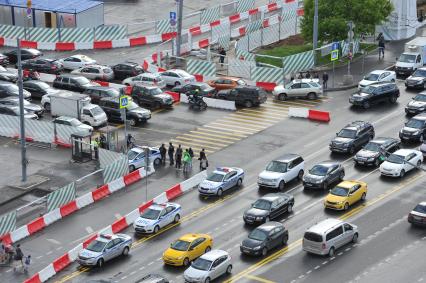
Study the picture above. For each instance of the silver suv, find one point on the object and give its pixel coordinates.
(281, 171)
(309, 88)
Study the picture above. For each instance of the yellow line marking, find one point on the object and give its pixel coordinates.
(217, 142)
(257, 278)
(250, 121)
(264, 113)
(244, 124)
(259, 119)
(273, 110)
(222, 132)
(201, 132)
(185, 143)
(236, 127)
(202, 137)
(293, 102)
(231, 130)
(276, 107)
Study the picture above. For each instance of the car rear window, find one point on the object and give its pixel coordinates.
(313, 237)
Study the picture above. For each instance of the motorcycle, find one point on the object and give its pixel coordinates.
(196, 102)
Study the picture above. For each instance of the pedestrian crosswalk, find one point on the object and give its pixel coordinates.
(239, 125)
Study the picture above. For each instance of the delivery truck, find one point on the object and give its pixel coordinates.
(413, 57)
(78, 106)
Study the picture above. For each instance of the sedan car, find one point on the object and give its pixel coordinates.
(321, 175)
(377, 76)
(175, 77)
(187, 248)
(30, 107)
(43, 65)
(4, 60)
(270, 206)
(145, 79)
(417, 104)
(220, 180)
(376, 151)
(14, 111)
(38, 88)
(222, 83)
(414, 130)
(418, 215)
(345, 194)
(26, 53)
(104, 248)
(9, 89)
(136, 157)
(95, 72)
(8, 76)
(128, 69)
(208, 267)
(400, 162)
(156, 217)
(76, 61)
(375, 94)
(203, 89)
(305, 88)
(73, 122)
(264, 238)
(417, 80)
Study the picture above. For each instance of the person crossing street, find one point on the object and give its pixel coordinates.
(178, 157)
(163, 151)
(171, 152)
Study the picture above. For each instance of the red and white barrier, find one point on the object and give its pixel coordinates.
(119, 225)
(311, 114)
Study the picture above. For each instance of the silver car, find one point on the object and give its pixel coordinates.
(305, 88)
(208, 267)
(95, 72)
(146, 79)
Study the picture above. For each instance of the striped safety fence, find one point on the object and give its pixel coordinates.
(61, 196)
(210, 15)
(107, 157)
(8, 222)
(117, 226)
(77, 35)
(205, 68)
(115, 170)
(163, 26)
(42, 34)
(265, 74)
(110, 32)
(245, 5)
(224, 42)
(311, 114)
(245, 55)
(299, 62)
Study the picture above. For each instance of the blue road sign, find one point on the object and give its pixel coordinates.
(335, 46)
(124, 101)
(172, 22)
(173, 16)
(334, 55)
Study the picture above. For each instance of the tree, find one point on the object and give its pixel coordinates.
(333, 16)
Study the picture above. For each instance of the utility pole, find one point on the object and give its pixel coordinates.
(179, 29)
(21, 116)
(315, 35)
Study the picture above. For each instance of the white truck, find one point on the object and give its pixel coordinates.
(78, 106)
(413, 57)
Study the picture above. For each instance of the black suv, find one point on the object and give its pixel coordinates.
(321, 175)
(203, 89)
(96, 93)
(417, 79)
(151, 96)
(414, 129)
(376, 151)
(72, 82)
(268, 207)
(134, 114)
(374, 94)
(125, 70)
(352, 137)
(43, 65)
(247, 96)
(417, 104)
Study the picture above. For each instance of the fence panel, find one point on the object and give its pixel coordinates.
(240, 68)
(298, 62)
(210, 15)
(61, 196)
(9, 126)
(40, 131)
(42, 34)
(63, 133)
(288, 28)
(271, 34)
(163, 26)
(220, 30)
(244, 55)
(224, 42)
(243, 44)
(110, 32)
(77, 34)
(265, 74)
(107, 157)
(116, 170)
(8, 31)
(229, 9)
(200, 67)
(8, 222)
(255, 39)
(253, 26)
(245, 5)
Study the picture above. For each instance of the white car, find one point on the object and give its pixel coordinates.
(73, 122)
(176, 77)
(377, 76)
(281, 171)
(76, 61)
(309, 88)
(400, 162)
(146, 79)
(95, 72)
(208, 267)
(156, 217)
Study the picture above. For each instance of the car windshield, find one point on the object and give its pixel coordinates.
(419, 73)
(258, 234)
(371, 146)
(407, 58)
(369, 89)
(75, 122)
(395, 158)
(215, 177)
(262, 204)
(201, 264)
(345, 133)
(420, 97)
(277, 166)
(96, 111)
(132, 106)
(414, 123)
(180, 245)
(82, 80)
(85, 59)
(420, 208)
(43, 85)
(319, 170)
(113, 92)
(155, 91)
(12, 88)
(132, 154)
(151, 214)
(96, 246)
(204, 86)
(339, 191)
(372, 77)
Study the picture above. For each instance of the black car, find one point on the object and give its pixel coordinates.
(375, 94)
(151, 96)
(153, 278)
(38, 88)
(417, 80)
(268, 207)
(96, 93)
(26, 53)
(14, 111)
(8, 76)
(247, 96)
(321, 175)
(134, 114)
(414, 129)
(73, 83)
(264, 238)
(352, 137)
(125, 70)
(30, 107)
(9, 89)
(43, 65)
(4, 60)
(203, 89)
(417, 104)
(376, 151)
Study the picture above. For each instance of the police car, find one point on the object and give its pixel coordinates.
(220, 180)
(104, 248)
(157, 216)
(136, 157)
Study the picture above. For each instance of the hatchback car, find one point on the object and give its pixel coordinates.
(38, 88)
(417, 104)
(281, 171)
(137, 160)
(76, 61)
(376, 151)
(220, 180)
(104, 248)
(30, 107)
(352, 137)
(400, 162)
(305, 88)
(418, 215)
(417, 80)
(156, 217)
(73, 122)
(26, 53)
(323, 174)
(187, 248)
(414, 130)
(145, 79)
(377, 76)
(43, 65)
(95, 72)
(8, 76)
(8, 89)
(375, 94)
(14, 111)
(96, 93)
(264, 238)
(270, 206)
(222, 83)
(246, 96)
(175, 77)
(208, 267)
(346, 194)
(128, 69)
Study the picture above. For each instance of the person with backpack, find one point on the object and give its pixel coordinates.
(381, 46)
(204, 163)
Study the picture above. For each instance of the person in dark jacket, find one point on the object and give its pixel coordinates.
(202, 156)
(324, 80)
(18, 258)
(222, 54)
(381, 45)
(191, 152)
(171, 152)
(163, 151)
(178, 157)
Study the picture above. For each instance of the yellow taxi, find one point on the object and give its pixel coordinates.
(187, 248)
(345, 194)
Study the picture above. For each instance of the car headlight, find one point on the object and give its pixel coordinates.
(370, 159)
(259, 218)
(416, 133)
(257, 248)
(274, 180)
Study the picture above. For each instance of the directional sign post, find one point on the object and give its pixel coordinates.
(172, 18)
(124, 102)
(334, 55)
(29, 10)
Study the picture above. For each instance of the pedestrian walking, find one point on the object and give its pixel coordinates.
(381, 45)
(19, 255)
(27, 263)
(308, 75)
(163, 151)
(187, 160)
(324, 80)
(171, 152)
(202, 156)
(222, 54)
(95, 145)
(178, 157)
(204, 163)
(102, 141)
(191, 153)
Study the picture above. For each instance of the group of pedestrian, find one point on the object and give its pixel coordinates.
(182, 159)
(9, 254)
(315, 75)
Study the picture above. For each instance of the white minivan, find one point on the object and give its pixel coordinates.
(329, 235)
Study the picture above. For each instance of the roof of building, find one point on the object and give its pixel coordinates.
(69, 7)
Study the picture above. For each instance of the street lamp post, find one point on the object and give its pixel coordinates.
(179, 29)
(315, 35)
(21, 116)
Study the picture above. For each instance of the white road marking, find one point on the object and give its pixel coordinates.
(301, 276)
(340, 253)
(133, 272)
(118, 215)
(325, 262)
(332, 258)
(347, 249)
(124, 277)
(89, 230)
(151, 263)
(49, 252)
(39, 257)
(308, 272)
(59, 248)
(316, 267)
(54, 241)
(141, 268)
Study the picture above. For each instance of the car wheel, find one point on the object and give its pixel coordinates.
(47, 106)
(100, 262)
(366, 105)
(422, 138)
(285, 240)
(324, 185)
(125, 251)
(131, 168)
(290, 208)
(419, 163)
(157, 161)
(300, 175)
(377, 162)
(264, 251)
(177, 218)
(282, 96)
(239, 182)
(132, 122)
(207, 280)
(219, 192)
(331, 252)
(393, 99)
(156, 229)
(207, 250)
(186, 262)
(355, 238)
(229, 269)
(364, 195)
(341, 176)
(312, 96)
(157, 105)
(402, 173)
(346, 207)
(352, 150)
(177, 83)
(281, 186)
(248, 104)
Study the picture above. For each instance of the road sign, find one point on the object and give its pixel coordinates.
(173, 15)
(29, 12)
(334, 55)
(124, 101)
(335, 46)
(172, 22)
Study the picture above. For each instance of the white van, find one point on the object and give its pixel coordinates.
(329, 235)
